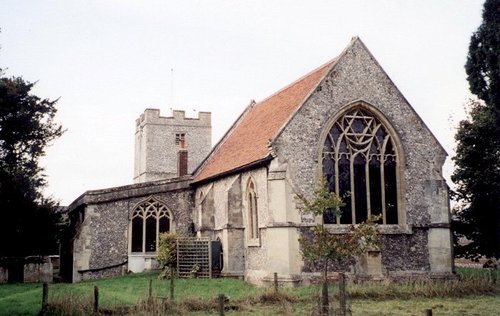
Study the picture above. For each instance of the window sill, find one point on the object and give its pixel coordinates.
(254, 242)
(143, 254)
(383, 229)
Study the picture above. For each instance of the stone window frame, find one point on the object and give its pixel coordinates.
(252, 214)
(144, 209)
(401, 226)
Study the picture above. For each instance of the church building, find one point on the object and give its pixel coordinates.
(345, 121)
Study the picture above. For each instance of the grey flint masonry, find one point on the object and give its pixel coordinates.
(345, 121)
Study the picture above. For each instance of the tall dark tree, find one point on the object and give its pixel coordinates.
(483, 60)
(477, 174)
(27, 126)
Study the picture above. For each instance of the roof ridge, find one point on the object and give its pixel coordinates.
(248, 139)
(288, 86)
(330, 64)
(224, 137)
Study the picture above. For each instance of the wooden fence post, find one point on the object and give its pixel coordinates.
(45, 297)
(275, 282)
(493, 275)
(96, 300)
(221, 298)
(150, 296)
(171, 283)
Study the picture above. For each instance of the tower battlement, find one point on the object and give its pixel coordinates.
(159, 138)
(152, 116)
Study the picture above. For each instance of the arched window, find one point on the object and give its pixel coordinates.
(360, 164)
(253, 219)
(149, 219)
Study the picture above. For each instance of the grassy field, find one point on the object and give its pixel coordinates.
(474, 294)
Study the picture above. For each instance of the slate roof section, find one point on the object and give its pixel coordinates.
(246, 143)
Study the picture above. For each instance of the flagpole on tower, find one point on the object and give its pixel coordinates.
(172, 88)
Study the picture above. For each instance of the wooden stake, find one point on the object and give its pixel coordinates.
(221, 304)
(45, 297)
(171, 283)
(96, 299)
(275, 282)
(150, 296)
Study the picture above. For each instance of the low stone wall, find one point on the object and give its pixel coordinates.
(3, 274)
(99, 274)
(29, 269)
(39, 271)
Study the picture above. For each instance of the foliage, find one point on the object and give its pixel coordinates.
(331, 246)
(195, 269)
(483, 60)
(325, 245)
(167, 257)
(27, 126)
(476, 220)
(167, 249)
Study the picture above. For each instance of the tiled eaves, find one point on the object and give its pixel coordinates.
(223, 138)
(249, 138)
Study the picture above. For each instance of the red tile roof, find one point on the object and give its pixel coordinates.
(247, 141)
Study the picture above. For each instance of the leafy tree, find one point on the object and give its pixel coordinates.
(323, 246)
(483, 60)
(477, 175)
(28, 223)
(167, 258)
(476, 219)
(167, 250)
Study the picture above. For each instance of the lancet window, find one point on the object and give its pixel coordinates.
(253, 220)
(149, 219)
(360, 164)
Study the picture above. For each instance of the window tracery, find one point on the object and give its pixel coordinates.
(360, 164)
(149, 219)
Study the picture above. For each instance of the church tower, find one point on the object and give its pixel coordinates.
(168, 147)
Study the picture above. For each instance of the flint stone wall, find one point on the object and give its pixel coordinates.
(155, 148)
(357, 76)
(102, 239)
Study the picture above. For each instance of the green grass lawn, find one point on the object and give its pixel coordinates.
(473, 295)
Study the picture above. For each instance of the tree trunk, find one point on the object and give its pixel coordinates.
(342, 295)
(172, 283)
(324, 292)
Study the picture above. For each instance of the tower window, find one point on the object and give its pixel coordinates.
(180, 139)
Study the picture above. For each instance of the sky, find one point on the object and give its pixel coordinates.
(108, 60)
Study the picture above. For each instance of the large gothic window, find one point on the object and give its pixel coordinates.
(253, 220)
(149, 219)
(360, 165)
